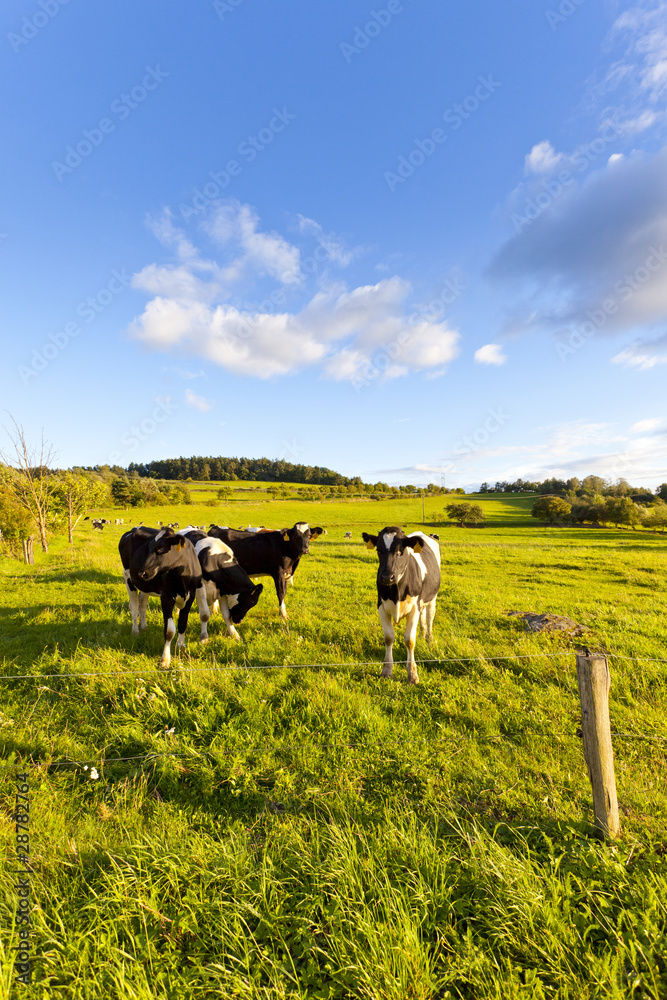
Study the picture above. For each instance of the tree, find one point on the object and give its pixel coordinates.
(656, 517)
(16, 524)
(224, 493)
(661, 491)
(74, 495)
(462, 512)
(592, 484)
(622, 510)
(551, 509)
(29, 479)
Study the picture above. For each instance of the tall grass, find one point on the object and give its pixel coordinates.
(313, 831)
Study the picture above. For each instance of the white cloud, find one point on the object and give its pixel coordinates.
(643, 354)
(197, 402)
(490, 354)
(646, 425)
(542, 159)
(340, 330)
(260, 253)
(334, 247)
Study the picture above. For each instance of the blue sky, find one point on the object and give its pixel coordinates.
(407, 240)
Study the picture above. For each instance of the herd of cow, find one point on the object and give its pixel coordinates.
(219, 568)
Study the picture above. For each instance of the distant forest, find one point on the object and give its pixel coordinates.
(222, 469)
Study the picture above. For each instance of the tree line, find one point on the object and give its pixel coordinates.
(575, 489)
(599, 509)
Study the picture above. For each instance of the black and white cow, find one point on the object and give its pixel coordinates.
(408, 581)
(227, 585)
(348, 534)
(165, 565)
(270, 553)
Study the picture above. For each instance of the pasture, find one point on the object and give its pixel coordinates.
(313, 831)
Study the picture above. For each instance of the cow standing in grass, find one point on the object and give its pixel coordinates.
(270, 553)
(165, 565)
(408, 581)
(228, 586)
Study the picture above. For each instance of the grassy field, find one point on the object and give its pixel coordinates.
(313, 831)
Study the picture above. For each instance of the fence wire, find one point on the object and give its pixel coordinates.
(248, 668)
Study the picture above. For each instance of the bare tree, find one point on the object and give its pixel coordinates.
(29, 481)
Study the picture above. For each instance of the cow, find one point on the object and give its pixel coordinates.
(165, 565)
(270, 553)
(98, 524)
(227, 585)
(408, 580)
(348, 534)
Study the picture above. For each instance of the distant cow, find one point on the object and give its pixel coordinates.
(348, 534)
(270, 553)
(408, 581)
(225, 581)
(98, 524)
(165, 565)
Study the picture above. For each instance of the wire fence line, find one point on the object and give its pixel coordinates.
(194, 754)
(164, 671)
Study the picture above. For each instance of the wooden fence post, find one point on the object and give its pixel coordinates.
(594, 682)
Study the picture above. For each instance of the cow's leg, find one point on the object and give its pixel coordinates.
(183, 620)
(281, 588)
(133, 598)
(422, 618)
(388, 629)
(204, 614)
(410, 640)
(169, 628)
(143, 604)
(430, 615)
(227, 615)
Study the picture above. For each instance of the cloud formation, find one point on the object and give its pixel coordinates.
(490, 354)
(602, 241)
(197, 402)
(197, 308)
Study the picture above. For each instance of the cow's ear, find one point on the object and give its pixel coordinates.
(286, 536)
(371, 540)
(314, 532)
(415, 544)
(180, 544)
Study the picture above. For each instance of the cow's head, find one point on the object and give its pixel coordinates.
(299, 537)
(244, 602)
(393, 549)
(162, 552)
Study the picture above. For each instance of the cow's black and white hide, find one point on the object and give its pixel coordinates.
(408, 580)
(228, 586)
(270, 553)
(165, 565)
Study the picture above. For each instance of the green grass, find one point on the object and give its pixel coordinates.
(316, 831)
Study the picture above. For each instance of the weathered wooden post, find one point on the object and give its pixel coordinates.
(594, 682)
